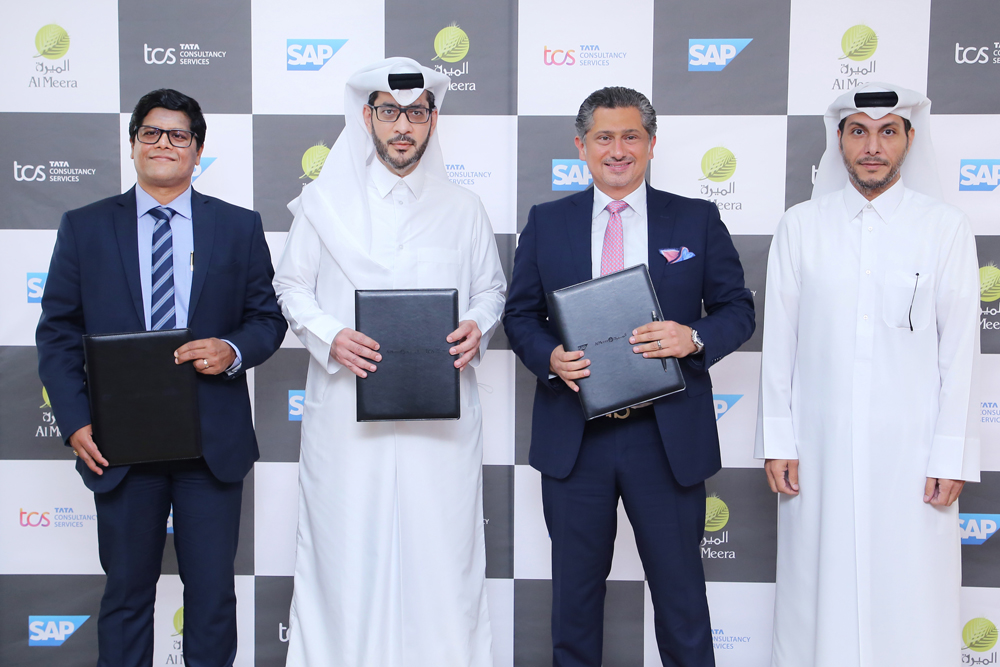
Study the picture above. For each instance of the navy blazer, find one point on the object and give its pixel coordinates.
(93, 287)
(554, 252)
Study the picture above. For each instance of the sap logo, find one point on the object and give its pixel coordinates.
(296, 404)
(202, 167)
(712, 55)
(979, 55)
(559, 57)
(570, 175)
(52, 630)
(309, 55)
(981, 175)
(724, 403)
(977, 528)
(36, 286)
(35, 519)
(159, 56)
(170, 521)
(27, 172)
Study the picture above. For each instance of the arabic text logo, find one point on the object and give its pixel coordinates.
(313, 160)
(859, 43)
(724, 402)
(712, 55)
(979, 634)
(979, 175)
(309, 55)
(570, 175)
(451, 44)
(296, 404)
(716, 513)
(718, 164)
(52, 42)
(52, 630)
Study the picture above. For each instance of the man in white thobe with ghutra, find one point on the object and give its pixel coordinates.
(867, 416)
(390, 566)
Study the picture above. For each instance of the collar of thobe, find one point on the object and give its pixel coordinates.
(385, 181)
(885, 204)
(144, 202)
(636, 200)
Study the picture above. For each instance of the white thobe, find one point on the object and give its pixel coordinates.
(868, 379)
(390, 560)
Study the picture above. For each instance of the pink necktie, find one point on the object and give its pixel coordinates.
(613, 254)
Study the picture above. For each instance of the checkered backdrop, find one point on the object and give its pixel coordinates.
(750, 76)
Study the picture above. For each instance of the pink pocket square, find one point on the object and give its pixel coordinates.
(674, 255)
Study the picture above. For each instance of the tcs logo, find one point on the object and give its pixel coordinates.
(712, 55)
(309, 55)
(570, 175)
(981, 175)
(559, 57)
(971, 55)
(52, 630)
(296, 404)
(36, 286)
(27, 172)
(35, 519)
(159, 56)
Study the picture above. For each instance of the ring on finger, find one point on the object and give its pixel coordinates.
(659, 344)
(206, 362)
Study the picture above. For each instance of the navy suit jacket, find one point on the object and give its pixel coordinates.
(93, 288)
(554, 252)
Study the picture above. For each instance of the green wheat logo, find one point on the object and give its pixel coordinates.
(859, 43)
(451, 44)
(313, 160)
(716, 513)
(718, 164)
(52, 42)
(179, 622)
(45, 398)
(989, 282)
(979, 634)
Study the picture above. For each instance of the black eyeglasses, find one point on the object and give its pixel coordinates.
(388, 113)
(147, 134)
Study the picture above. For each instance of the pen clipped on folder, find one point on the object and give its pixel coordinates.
(657, 319)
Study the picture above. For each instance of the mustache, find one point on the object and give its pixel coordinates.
(872, 160)
(401, 139)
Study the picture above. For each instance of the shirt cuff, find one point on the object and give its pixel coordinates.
(237, 364)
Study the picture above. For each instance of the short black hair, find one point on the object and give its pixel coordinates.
(173, 100)
(430, 98)
(906, 125)
(615, 97)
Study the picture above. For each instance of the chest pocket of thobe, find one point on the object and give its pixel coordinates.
(908, 299)
(438, 268)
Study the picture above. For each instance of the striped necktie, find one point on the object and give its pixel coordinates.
(613, 254)
(162, 311)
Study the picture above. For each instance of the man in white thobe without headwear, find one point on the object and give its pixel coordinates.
(867, 414)
(390, 562)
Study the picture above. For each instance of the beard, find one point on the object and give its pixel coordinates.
(871, 186)
(394, 161)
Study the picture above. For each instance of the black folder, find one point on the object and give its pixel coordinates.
(598, 316)
(417, 378)
(143, 406)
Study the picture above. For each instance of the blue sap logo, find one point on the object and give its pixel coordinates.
(202, 167)
(979, 175)
(36, 285)
(52, 630)
(977, 528)
(309, 55)
(296, 401)
(570, 175)
(723, 403)
(712, 55)
(170, 521)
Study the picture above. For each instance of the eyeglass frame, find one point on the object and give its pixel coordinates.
(404, 110)
(161, 132)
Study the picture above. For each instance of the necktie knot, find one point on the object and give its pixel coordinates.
(162, 213)
(616, 207)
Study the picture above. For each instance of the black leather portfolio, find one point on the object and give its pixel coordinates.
(143, 406)
(416, 378)
(598, 316)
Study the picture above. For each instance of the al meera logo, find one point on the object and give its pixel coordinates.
(451, 44)
(989, 283)
(979, 634)
(313, 160)
(178, 622)
(718, 164)
(52, 42)
(52, 630)
(716, 513)
(859, 43)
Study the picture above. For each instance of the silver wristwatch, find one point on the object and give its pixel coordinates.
(696, 339)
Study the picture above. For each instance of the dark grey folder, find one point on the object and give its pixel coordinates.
(416, 378)
(598, 316)
(143, 406)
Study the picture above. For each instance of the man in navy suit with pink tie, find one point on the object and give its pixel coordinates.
(656, 457)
